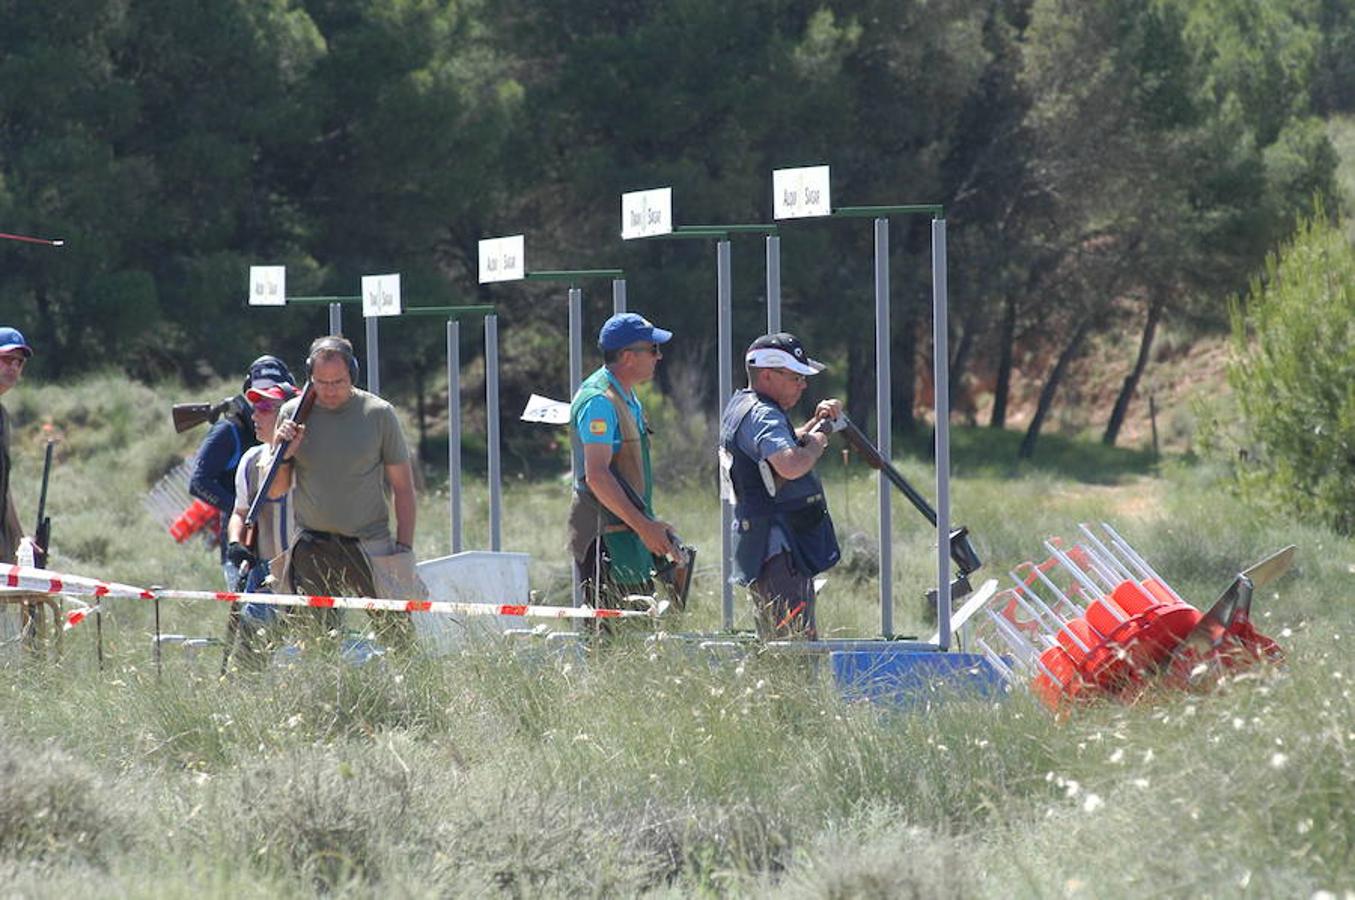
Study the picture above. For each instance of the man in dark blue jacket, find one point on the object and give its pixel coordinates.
(782, 533)
(219, 455)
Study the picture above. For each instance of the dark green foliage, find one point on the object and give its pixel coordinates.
(1096, 160)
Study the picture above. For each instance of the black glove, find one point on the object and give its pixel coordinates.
(239, 554)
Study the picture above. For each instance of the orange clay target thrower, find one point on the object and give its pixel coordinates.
(1095, 620)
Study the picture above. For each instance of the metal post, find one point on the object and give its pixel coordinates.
(454, 429)
(941, 378)
(492, 429)
(373, 358)
(575, 377)
(773, 283)
(725, 317)
(336, 318)
(575, 340)
(618, 296)
(884, 424)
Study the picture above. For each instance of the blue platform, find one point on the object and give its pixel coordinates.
(906, 677)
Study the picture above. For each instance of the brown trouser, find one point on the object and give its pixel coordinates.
(599, 590)
(334, 565)
(783, 601)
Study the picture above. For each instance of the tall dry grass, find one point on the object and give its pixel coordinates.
(530, 769)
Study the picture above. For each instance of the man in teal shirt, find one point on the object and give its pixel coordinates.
(613, 534)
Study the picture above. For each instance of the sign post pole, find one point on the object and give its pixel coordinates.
(453, 313)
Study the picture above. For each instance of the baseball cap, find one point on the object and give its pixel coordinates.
(269, 377)
(11, 339)
(781, 351)
(625, 329)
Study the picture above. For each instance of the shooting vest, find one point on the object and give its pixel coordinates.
(798, 506)
(631, 561)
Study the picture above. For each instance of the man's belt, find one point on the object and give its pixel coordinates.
(327, 537)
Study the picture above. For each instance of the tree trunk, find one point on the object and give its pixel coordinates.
(1051, 386)
(1131, 382)
(1006, 340)
(903, 365)
(963, 348)
(53, 353)
(860, 383)
(419, 400)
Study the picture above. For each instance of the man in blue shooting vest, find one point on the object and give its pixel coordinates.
(782, 533)
(613, 534)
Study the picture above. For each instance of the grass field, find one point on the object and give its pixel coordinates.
(636, 771)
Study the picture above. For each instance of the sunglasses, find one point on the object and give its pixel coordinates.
(652, 349)
(793, 376)
(265, 406)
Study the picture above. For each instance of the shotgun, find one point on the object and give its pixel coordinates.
(191, 415)
(677, 572)
(30, 613)
(42, 534)
(962, 552)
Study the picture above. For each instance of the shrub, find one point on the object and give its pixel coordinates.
(52, 807)
(1294, 376)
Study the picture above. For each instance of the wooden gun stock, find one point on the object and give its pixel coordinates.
(191, 415)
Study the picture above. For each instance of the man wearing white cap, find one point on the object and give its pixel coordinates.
(782, 533)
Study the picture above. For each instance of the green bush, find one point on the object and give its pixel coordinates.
(1294, 376)
(52, 807)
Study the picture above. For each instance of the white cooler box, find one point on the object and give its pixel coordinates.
(472, 576)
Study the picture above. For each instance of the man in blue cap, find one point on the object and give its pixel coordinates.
(613, 533)
(14, 355)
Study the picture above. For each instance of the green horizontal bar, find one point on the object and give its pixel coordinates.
(357, 299)
(860, 212)
(445, 310)
(679, 235)
(571, 274)
(732, 229)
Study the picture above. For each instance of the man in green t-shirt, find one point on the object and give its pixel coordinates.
(340, 464)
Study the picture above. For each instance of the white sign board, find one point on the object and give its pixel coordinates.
(545, 410)
(380, 295)
(267, 285)
(503, 259)
(801, 193)
(646, 213)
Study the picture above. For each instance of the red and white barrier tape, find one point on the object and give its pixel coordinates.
(412, 606)
(43, 581)
(46, 582)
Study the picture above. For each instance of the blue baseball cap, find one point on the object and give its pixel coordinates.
(11, 339)
(625, 329)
